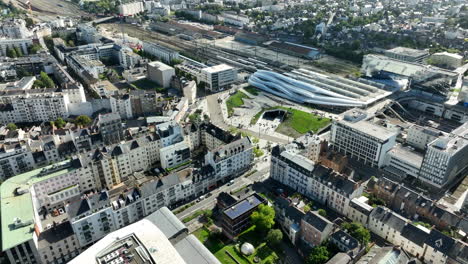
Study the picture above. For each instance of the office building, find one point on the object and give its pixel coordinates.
(355, 135)
(236, 218)
(160, 73)
(446, 158)
(218, 77)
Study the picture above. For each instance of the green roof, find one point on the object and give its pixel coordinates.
(21, 206)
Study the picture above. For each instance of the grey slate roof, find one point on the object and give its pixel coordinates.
(414, 234)
(440, 242)
(317, 221)
(389, 218)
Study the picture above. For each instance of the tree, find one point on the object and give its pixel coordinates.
(274, 236)
(48, 83)
(18, 51)
(11, 127)
(263, 218)
(322, 212)
(29, 22)
(59, 123)
(318, 255)
(357, 231)
(82, 120)
(34, 49)
(39, 83)
(11, 53)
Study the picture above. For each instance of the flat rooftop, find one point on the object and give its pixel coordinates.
(217, 68)
(160, 65)
(21, 206)
(138, 243)
(411, 156)
(408, 51)
(243, 206)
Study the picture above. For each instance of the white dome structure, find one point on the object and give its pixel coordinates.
(247, 249)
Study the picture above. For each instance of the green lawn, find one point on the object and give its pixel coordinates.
(218, 248)
(297, 122)
(252, 90)
(145, 84)
(258, 152)
(235, 100)
(304, 122)
(202, 234)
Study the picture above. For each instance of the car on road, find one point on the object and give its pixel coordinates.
(231, 182)
(201, 198)
(208, 195)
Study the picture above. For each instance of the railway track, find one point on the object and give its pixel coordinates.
(203, 51)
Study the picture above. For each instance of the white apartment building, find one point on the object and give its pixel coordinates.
(218, 77)
(174, 155)
(32, 105)
(22, 44)
(232, 158)
(14, 29)
(95, 216)
(81, 64)
(122, 105)
(361, 139)
(359, 210)
(165, 54)
(160, 73)
(315, 181)
(127, 58)
(213, 137)
(131, 9)
(234, 19)
(15, 159)
(446, 158)
(23, 199)
(387, 224)
(91, 218)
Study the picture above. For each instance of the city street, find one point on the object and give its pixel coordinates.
(210, 202)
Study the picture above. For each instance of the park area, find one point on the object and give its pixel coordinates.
(226, 252)
(235, 100)
(297, 122)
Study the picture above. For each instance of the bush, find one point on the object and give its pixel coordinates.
(322, 212)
